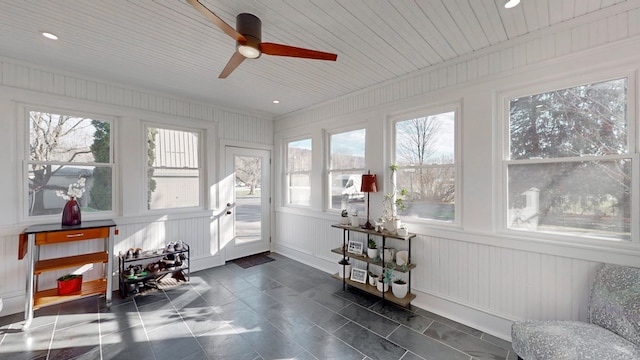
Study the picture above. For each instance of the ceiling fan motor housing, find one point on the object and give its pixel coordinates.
(250, 27)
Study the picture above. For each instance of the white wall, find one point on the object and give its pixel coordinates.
(22, 84)
(474, 273)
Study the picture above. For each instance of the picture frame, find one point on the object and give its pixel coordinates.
(359, 275)
(355, 247)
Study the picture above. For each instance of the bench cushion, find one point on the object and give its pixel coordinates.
(564, 340)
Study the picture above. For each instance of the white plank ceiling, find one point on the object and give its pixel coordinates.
(168, 46)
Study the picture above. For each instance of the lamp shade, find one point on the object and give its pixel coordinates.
(369, 183)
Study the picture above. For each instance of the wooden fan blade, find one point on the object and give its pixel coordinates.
(292, 51)
(218, 21)
(233, 63)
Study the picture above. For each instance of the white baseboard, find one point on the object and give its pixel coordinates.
(12, 305)
(492, 324)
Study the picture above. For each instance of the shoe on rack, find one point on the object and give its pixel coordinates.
(178, 246)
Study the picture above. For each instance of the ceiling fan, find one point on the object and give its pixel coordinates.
(248, 37)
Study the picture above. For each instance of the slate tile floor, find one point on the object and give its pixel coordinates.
(279, 310)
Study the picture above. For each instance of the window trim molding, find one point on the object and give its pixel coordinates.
(285, 198)
(502, 134)
(428, 110)
(326, 170)
(23, 142)
(202, 171)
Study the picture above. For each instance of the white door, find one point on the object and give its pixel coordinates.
(248, 201)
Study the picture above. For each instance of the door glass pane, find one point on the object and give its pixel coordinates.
(248, 172)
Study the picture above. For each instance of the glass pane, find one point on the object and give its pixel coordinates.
(348, 149)
(580, 198)
(430, 192)
(345, 191)
(174, 188)
(299, 155)
(173, 173)
(584, 120)
(51, 185)
(426, 140)
(248, 170)
(65, 138)
(173, 148)
(300, 189)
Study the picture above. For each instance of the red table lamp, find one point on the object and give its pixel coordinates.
(368, 185)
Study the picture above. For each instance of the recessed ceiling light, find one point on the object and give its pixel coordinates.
(49, 35)
(511, 3)
(276, 101)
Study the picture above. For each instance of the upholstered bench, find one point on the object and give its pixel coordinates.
(613, 331)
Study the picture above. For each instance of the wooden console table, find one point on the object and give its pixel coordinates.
(41, 235)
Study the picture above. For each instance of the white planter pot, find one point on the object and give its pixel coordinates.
(399, 290)
(345, 220)
(373, 280)
(382, 285)
(372, 253)
(344, 271)
(355, 221)
(389, 226)
(402, 232)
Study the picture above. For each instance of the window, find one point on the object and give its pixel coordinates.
(569, 164)
(346, 166)
(68, 156)
(425, 158)
(173, 173)
(299, 172)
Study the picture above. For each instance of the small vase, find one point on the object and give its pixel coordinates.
(71, 213)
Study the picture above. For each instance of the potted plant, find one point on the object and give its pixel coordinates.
(373, 279)
(345, 268)
(383, 285)
(399, 288)
(344, 215)
(372, 249)
(393, 203)
(69, 284)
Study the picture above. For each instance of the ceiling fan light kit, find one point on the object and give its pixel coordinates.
(248, 37)
(251, 28)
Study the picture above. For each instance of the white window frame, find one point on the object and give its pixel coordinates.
(201, 170)
(288, 173)
(503, 133)
(426, 111)
(24, 141)
(329, 170)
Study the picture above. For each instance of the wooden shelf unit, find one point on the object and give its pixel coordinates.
(346, 229)
(36, 236)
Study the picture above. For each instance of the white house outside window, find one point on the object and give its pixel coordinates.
(173, 173)
(346, 166)
(425, 156)
(298, 172)
(569, 163)
(69, 155)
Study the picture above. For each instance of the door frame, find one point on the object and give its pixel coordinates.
(224, 193)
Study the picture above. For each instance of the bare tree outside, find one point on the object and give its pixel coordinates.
(425, 159)
(61, 147)
(249, 172)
